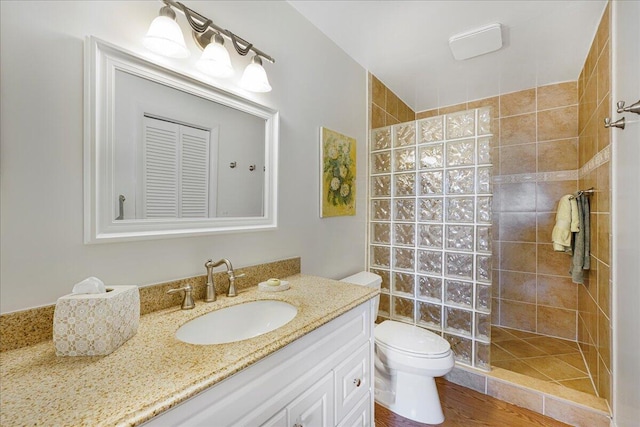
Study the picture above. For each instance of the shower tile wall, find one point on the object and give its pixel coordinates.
(386, 108)
(430, 211)
(535, 163)
(594, 297)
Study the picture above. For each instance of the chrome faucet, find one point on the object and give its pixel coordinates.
(211, 290)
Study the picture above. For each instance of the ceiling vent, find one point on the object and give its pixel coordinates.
(476, 42)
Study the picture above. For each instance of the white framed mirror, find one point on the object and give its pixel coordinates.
(167, 155)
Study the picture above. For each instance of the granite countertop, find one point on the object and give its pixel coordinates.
(153, 371)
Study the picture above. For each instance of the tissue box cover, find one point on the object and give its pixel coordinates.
(95, 324)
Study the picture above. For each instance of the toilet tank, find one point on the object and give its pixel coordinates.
(368, 279)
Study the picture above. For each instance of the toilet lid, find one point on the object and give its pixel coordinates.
(410, 339)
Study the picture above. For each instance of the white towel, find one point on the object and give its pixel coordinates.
(90, 285)
(567, 221)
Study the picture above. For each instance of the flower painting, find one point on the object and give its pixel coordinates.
(338, 192)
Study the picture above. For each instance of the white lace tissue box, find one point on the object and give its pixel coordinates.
(95, 324)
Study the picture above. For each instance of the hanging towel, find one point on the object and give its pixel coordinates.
(581, 242)
(567, 221)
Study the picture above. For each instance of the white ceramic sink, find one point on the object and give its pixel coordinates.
(237, 323)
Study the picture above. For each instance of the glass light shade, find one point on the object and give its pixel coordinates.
(165, 38)
(254, 78)
(215, 61)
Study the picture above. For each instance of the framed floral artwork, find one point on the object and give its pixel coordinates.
(338, 183)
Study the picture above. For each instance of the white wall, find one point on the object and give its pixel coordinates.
(42, 251)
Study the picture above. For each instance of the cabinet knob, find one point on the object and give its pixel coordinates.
(357, 382)
(298, 425)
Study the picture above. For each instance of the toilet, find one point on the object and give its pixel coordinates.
(407, 360)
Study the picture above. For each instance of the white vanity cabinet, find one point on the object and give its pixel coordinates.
(324, 378)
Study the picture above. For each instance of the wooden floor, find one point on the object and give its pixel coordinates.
(466, 407)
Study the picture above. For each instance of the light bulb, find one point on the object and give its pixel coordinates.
(254, 78)
(215, 59)
(165, 37)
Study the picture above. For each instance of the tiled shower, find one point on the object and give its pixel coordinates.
(430, 237)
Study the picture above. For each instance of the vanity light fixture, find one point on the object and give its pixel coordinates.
(165, 38)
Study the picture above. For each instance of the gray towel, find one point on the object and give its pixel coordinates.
(581, 241)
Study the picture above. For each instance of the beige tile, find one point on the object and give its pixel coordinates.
(557, 95)
(604, 340)
(523, 334)
(604, 288)
(545, 223)
(602, 134)
(604, 381)
(391, 104)
(518, 286)
(515, 103)
(426, 114)
(581, 384)
(493, 102)
(557, 291)
(379, 90)
(575, 415)
(516, 365)
(518, 129)
(558, 123)
(467, 379)
(603, 237)
(574, 359)
(551, 262)
(558, 155)
(517, 226)
(499, 354)
(603, 188)
(554, 368)
(516, 159)
(548, 194)
(517, 315)
(520, 197)
(516, 395)
(452, 108)
(603, 74)
(557, 322)
(518, 257)
(603, 33)
(378, 117)
(390, 120)
(499, 334)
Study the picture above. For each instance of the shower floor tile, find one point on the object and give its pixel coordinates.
(546, 358)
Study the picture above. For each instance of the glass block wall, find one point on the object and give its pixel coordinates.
(430, 227)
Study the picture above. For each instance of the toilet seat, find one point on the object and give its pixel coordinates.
(411, 340)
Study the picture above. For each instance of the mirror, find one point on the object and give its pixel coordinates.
(168, 155)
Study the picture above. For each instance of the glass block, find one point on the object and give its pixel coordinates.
(404, 259)
(381, 209)
(404, 160)
(405, 184)
(460, 209)
(462, 348)
(461, 124)
(459, 265)
(483, 268)
(483, 356)
(484, 151)
(460, 237)
(381, 256)
(430, 262)
(431, 183)
(431, 129)
(381, 139)
(459, 293)
(484, 180)
(386, 278)
(402, 308)
(431, 156)
(483, 238)
(404, 235)
(384, 308)
(405, 134)
(381, 186)
(430, 236)
(405, 209)
(381, 162)
(457, 320)
(484, 121)
(431, 210)
(461, 153)
(483, 297)
(381, 232)
(403, 283)
(430, 288)
(484, 210)
(483, 326)
(460, 181)
(430, 314)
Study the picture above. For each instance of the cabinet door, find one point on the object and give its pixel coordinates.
(314, 408)
(352, 380)
(278, 420)
(360, 416)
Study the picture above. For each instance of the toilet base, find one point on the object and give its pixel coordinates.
(414, 397)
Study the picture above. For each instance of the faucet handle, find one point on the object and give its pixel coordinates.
(187, 302)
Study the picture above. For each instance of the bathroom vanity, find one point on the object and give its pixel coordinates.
(315, 370)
